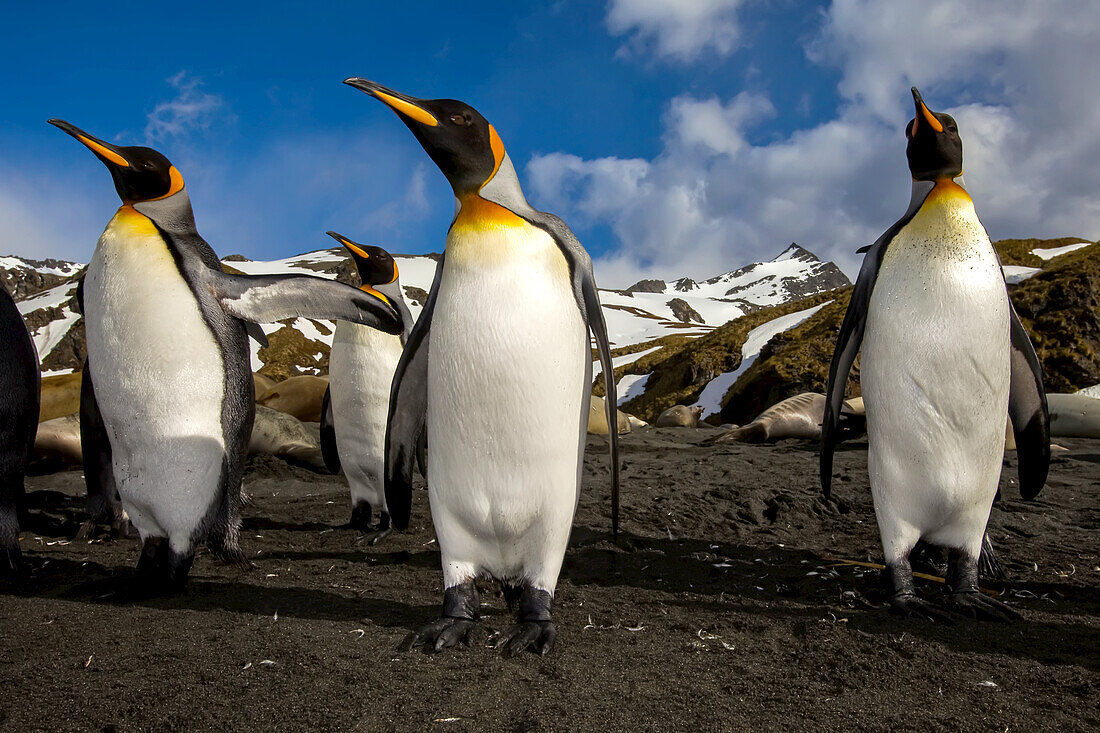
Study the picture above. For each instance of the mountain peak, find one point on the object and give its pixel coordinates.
(796, 252)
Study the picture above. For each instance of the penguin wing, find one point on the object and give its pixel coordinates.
(270, 298)
(95, 447)
(257, 333)
(850, 337)
(328, 434)
(1027, 409)
(588, 300)
(408, 411)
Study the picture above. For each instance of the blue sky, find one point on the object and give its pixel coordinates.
(675, 137)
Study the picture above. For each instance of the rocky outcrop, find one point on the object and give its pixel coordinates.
(647, 286)
(684, 312)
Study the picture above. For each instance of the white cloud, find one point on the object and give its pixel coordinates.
(676, 29)
(191, 109)
(711, 200)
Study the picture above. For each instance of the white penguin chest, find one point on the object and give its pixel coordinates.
(507, 357)
(936, 349)
(157, 369)
(361, 367)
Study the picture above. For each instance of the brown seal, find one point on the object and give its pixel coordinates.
(299, 396)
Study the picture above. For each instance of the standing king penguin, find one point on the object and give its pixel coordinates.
(498, 370)
(19, 399)
(361, 366)
(945, 357)
(168, 367)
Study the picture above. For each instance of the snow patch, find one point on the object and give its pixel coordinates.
(1047, 254)
(631, 386)
(1093, 391)
(711, 397)
(1015, 274)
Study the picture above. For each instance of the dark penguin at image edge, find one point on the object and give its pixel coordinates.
(20, 378)
(930, 307)
(167, 404)
(466, 363)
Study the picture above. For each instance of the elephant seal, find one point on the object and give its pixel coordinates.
(261, 384)
(597, 418)
(299, 396)
(284, 436)
(60, 396)
(1073, 416)
(57, 443)
(680, 416)
(795, 417)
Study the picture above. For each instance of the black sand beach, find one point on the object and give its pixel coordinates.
(722, 608)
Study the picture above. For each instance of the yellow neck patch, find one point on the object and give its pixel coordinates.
(132, 223)
(480, 214)
(946, 191)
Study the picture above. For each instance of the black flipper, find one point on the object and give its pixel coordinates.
(95, 448)
(851, 335)
(256, 332)
(588, 300)
(408, 411)
(328, 434)
(270, 298)
(1027, 409)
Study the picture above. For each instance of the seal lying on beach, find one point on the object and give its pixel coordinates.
(795, 417)
(679, 416)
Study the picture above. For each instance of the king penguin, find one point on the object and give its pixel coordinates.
(362, 363)
(20, 389)
(944, 359)
(498, 370)
(168, 366)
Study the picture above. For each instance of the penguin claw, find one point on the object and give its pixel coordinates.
(911, 605)
(373, 538)
(443, 633)
(538, 636)
(974, 604)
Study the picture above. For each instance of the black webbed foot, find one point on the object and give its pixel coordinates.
(533, 630)
(373, 538)
(443, 633)
(538, 636)
(456, 624)
(966, 599)
(910, 605)
(374, 535)
(360, 517)
(977, 605)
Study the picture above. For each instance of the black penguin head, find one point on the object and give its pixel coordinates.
(140, 174)
(935, 149)
(375, 265)
(455, 135)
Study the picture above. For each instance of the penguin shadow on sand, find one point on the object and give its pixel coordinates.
(87, 581)
(773, 582)
(725, 571)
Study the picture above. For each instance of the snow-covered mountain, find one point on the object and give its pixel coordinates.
(649, 309)
(643, 312)
(45, 294)
(646, 311)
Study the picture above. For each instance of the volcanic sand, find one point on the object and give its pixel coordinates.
(722, 607)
